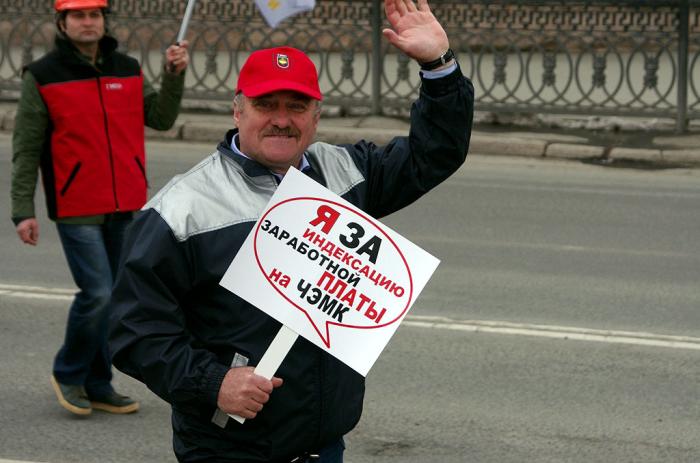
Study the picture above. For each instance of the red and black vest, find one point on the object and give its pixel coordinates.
(93, 160)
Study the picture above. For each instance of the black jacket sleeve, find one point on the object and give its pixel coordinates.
(437, 145)
(148, 338)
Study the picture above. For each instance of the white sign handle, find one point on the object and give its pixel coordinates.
(272, 359)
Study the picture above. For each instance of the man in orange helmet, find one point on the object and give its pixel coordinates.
(80, 120)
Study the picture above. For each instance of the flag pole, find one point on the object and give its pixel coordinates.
(185, 21)
(183, 27)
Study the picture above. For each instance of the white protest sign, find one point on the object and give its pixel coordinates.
(329, 272)
(276, 11)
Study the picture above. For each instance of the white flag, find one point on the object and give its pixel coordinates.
(276, 11)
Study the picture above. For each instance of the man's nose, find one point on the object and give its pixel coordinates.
(280, 117)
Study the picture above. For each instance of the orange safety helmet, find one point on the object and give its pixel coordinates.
(63, 5)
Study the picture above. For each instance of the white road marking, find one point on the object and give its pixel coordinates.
(53, 297)
(557, 332)
(37, 292)
(40, 289)
(443, 323)
(17, 461)
(554, 247)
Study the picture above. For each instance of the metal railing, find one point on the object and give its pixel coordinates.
(626, 58)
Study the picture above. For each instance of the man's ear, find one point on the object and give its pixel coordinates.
(237, 108)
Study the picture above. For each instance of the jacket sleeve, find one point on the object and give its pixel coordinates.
(402, 171)
(148, 339)
(28, 140)
(161, 108)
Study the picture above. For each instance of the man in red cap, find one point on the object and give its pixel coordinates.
(195, 344)
(80, 120)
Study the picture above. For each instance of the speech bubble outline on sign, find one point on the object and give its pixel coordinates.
(300, 248)
(353, 299)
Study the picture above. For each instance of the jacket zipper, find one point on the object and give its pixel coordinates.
(142, 169)
(109, 144)
(71, 177)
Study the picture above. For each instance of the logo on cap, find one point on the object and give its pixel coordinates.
(282, 61)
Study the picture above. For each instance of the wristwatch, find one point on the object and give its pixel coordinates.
(430, 65)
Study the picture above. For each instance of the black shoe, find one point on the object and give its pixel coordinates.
(72, 398)
(114, 403)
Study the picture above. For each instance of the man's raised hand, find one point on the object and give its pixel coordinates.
(414, 30)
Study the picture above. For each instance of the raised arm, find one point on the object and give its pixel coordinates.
(414, 30)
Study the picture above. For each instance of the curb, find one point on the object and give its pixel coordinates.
(681, 156)
(7, 120)
(210, 129)
(507, 146)
(636, 154)
(574, 151)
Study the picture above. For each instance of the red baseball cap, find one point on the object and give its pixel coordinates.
(281, 68)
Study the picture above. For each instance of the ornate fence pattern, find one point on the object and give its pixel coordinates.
(639, 58)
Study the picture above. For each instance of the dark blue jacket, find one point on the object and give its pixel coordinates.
(175, 329)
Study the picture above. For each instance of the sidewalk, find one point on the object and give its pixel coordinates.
(626, 147)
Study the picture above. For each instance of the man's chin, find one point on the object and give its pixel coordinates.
(88, 38)
(281, 147)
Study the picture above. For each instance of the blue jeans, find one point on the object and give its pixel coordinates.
(92, 252)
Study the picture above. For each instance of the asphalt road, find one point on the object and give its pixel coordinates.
(562, 325)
